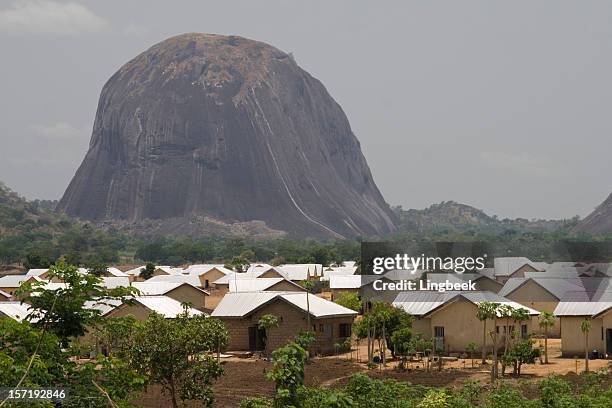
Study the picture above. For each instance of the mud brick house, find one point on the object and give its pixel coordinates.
(241, 311)
(450, 318)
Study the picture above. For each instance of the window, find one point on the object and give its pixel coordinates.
(344, 330)
(321, 328)
(523, 330)
(206, 284)
(439, 331)
(328, 329)
(497, 329)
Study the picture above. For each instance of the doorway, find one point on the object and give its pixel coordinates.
(257, 339)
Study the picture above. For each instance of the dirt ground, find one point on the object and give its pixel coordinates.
(247, 377)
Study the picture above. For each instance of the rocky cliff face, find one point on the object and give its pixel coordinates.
(599, 221)
(226, 128)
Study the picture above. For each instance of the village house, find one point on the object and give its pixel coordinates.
(576, 308)
(514, 267)
(181, 292)
(142, 306)
(241, 311)
(541, 294)
(207, 273)
(10, 283)
(450, 319)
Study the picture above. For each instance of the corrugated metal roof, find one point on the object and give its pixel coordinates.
(255, 284)
(199, 270)
(506, 266)
(419, 303)
(190, 279)
(155, 288)
(36, 272)
(240, 304)
(556, 286)
(165, 306)
(351, 281)
(15, 310)
(15, 281)
(112, 282)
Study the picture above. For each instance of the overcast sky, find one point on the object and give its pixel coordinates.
(502, 105)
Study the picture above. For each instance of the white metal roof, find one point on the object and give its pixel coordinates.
(15, 310)
(160, 288)
(351, 281)
(302, 271)
(506, 266)
(165, 306)
(203, 268)
(112, 282)
(419, 303)
(116, 272)
(240, 304)
(15, 281)
(339, 270)
(556, 286)
(135, 271)
(36, 272)
(3, 294)
(190, 279)
(254, 285)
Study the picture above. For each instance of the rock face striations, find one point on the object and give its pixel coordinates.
(229, 129)
(599, 221)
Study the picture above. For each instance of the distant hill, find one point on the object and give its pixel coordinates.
(599, 221)
(450, 215)
(18, 215)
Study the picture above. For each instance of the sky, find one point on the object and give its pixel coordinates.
(501, 105)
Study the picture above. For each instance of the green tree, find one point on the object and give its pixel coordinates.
(521, 353)
(472, 347)
(585, 327)
(349, 300)
(486, 311)
(147, 272)
(68, 311)
(174, 354)
(98, 269)
(288, 374)
(308, 285)
(267, 323)
(546, 321)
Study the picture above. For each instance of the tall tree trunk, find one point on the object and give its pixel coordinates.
(494, 369)
(383, 350)
(484, 342)
(173, 394)
(586, 352)
(546, 346)
(309, 328)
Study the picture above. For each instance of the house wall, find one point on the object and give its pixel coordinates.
(187, 293)
(519, 273)
(293, 321)
(536, 297)
(461, 326)
(10, 291)
(572, 338)
(285, 286)
(210, 276)
(271, 274)
(137, 310)
(488, 285)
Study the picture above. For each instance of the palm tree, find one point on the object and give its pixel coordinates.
(309, 286)
(484, 313)
(547, 320)
(266, 323)
(494, 311)
(585, 327)
(506, 311)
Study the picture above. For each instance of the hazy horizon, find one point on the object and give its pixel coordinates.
(504, 107)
